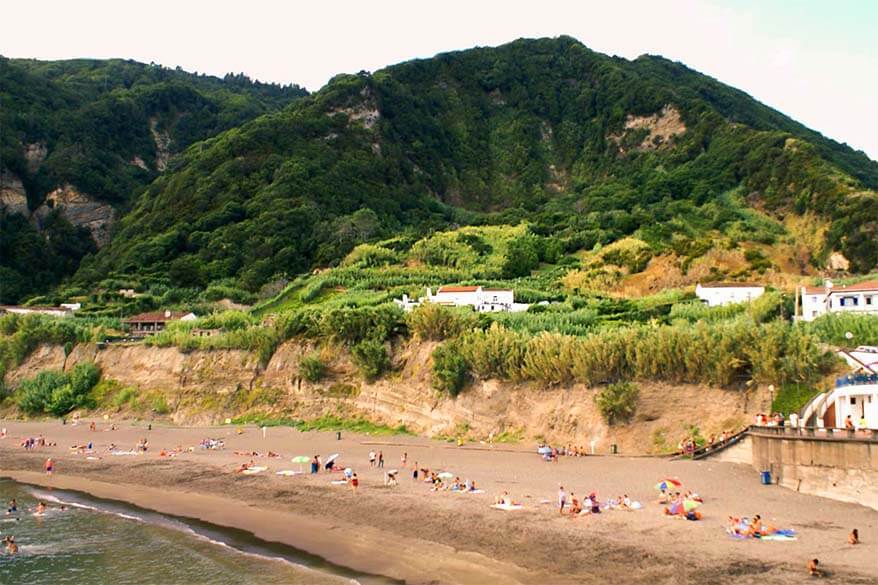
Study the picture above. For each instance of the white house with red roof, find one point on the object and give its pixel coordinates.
(481, 299)
(860, 298)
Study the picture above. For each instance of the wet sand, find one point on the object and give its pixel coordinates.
(409, 533)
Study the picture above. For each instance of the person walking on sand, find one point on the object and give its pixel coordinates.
(562, 499)
(50, 466)
(381, 459)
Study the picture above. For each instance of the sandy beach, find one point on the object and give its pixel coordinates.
(415, 535)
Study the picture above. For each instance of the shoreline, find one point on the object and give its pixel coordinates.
(313, 537)
(413, 534)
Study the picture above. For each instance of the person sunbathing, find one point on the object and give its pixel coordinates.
(755, 529)
(575, 505)
(626, 503)
(244, 467)
(664, 497)
(854, 537)
(504, 500)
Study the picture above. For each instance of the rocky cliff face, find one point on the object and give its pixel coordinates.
(80, 210)
(208, 386)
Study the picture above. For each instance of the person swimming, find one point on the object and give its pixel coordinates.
(11, 547)
(40, 509)
(13, 507)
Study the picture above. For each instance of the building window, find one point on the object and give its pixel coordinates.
(869, 300)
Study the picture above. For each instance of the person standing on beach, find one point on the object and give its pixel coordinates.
(415, 472)
(381, 459)
(371, 458)
(50, 466)
(315, 464)
(562, 499)
(403, 459)
(355, 482)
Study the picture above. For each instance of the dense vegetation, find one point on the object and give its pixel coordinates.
(544, 131)
(108, 129)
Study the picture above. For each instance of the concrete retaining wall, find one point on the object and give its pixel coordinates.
(844, 470)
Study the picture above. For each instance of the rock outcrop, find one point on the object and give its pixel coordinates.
(80, 210)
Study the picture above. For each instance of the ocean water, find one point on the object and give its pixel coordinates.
(96, 541)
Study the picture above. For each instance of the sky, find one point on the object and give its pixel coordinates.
(814, 60)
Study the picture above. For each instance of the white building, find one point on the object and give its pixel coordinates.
(715, 294)
(65, 310)
(860, 298)
(483, 300)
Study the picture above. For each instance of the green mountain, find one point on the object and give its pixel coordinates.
(88, 135)
(584, 148)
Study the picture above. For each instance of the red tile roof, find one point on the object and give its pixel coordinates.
(157, 317)
(498, 289)
(454, 289)
(731, 285)
(869, 285)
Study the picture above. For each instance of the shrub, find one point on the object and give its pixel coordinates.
(84, 377)
(449, 369)
(35, 394)
(57, 393)
(126, 396)
(432, 321)
(370, 356)
(792, 398)
(617, 402)
(312, 368)
(495, 353)
(370, 256)
(159, 405)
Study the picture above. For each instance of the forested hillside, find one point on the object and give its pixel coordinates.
(585, 148)
(87, 136)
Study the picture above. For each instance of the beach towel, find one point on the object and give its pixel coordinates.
(254, 470)
(338, 482)
(289, 472)
(507, 507)
(786, 535)
(124, 453)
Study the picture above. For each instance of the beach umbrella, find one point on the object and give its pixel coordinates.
(332, 458)
(667, 484)
(445, 475)
(544, 450)
(689, 505)
(300, 459)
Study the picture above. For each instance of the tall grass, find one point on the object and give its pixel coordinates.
(721, 354)
(834, 328)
